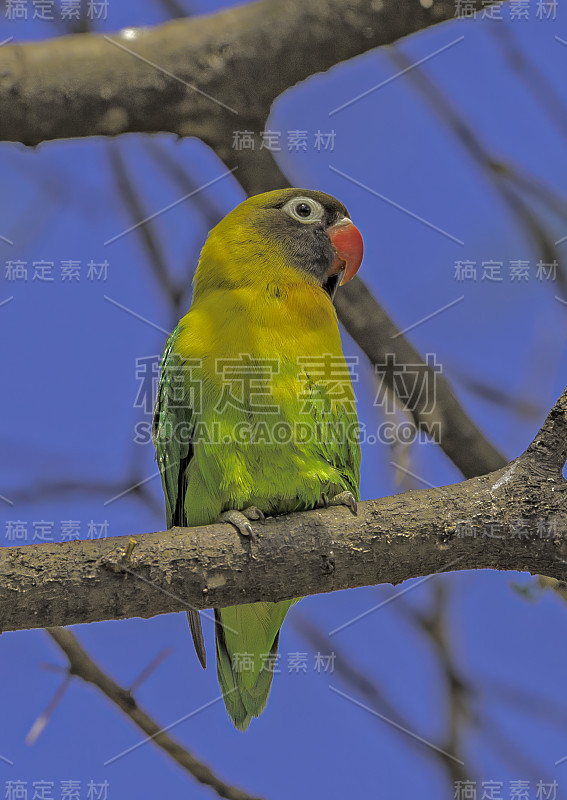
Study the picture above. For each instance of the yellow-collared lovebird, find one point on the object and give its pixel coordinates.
(255, 412)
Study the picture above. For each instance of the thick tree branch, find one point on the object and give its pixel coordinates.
(213, 74)
(510, 519)
(81, 665)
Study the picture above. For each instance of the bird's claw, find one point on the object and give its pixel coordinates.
(343, 499)
(254, 513)
(346, 499)
(240, 519)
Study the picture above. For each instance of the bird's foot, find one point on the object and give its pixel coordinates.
(240, 518)
(342, 499)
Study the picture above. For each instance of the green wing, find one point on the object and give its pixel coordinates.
(171, 433)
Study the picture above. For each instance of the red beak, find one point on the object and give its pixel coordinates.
(347, 241)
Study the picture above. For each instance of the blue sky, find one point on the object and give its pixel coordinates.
(424, 207)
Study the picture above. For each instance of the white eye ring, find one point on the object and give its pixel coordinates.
(312, 210)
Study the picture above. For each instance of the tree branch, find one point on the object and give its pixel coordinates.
(510, 519)
(447, 422)
(81, 665)
(206, 80)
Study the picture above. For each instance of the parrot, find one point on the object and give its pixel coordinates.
(255, 411)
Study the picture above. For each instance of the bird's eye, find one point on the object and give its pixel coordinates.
(304, 209)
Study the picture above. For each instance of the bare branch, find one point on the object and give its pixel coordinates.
(133, 202)
(366, 686)
(378, 336)
(511, 519)
(84, 667)
(511, 183)
(194, 77)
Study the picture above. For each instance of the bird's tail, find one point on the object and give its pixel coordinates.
(247, 645)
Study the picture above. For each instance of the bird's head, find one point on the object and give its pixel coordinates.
(286, 235)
